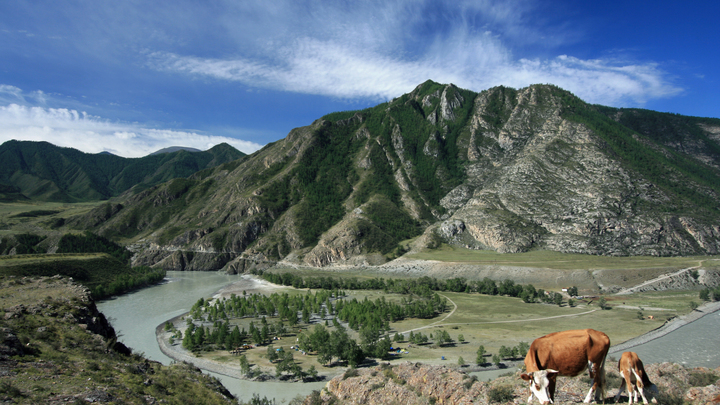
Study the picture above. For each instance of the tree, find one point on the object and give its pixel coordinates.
(602, 303)
(571, 302)
(382, 347)
(496, 360)
(461, 338)
(272, 354)
(461, 361)
(287, 363)
(693, 305)
(522, 349)
(312, 372)
(573, 291)
(305, 314)
(480, 355)
(245, 366)
(505, 352)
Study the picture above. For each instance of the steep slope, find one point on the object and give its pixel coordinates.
(503, 169)
(42, 171)
(57, 348)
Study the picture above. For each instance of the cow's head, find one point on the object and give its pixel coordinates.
(539, 382)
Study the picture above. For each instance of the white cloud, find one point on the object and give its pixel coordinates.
(371, 51)
(75, 129)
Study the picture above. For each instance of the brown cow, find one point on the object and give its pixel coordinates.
(567, 354)
(634, 375)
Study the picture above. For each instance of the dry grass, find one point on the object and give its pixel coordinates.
(556, 260)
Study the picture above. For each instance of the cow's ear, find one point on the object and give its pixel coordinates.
(526, 377)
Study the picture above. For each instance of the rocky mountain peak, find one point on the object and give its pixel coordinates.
(503, 169)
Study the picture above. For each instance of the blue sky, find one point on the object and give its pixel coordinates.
(131, 77)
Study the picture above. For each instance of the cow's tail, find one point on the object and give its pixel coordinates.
(602, 386)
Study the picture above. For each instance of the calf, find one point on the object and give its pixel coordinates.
(567, 353)
(635, 379)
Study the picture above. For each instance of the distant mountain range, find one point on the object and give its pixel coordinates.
(45, 172)
(504, 169)
(172, 149)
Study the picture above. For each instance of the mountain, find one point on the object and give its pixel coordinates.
(172, 149)
(45, 172)
(504, 169)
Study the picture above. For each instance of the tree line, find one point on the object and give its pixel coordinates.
(422, 286)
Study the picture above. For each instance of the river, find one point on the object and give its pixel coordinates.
(136, 315)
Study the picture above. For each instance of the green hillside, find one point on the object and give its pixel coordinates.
(509, 170)
(41, 171)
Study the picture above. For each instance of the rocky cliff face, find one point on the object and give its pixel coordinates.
(423, 384)
(504, 169)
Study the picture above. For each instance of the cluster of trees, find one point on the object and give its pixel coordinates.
(199, 338)
(370, 318)
(440, 338)
(423, 286)
(710, 294)
(135, 277)
(91, 243)
(291, 308)
(516, 352)
(337, 344)
(25, 243)
(380, 313)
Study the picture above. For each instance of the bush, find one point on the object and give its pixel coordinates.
(700, 379)
(351, 372)
(470, 381)
(500, 394)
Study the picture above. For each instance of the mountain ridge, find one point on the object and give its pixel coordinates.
(44, 172)
(504, 169)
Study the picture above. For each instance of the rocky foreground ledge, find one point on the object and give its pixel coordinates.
(414, 383)
(57, 348)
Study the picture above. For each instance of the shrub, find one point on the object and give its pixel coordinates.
(351, 372)
(500, 394)
(470, 381)
(700, 379)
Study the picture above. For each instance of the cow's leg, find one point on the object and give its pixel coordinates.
(589, 395)
(622, 387)
(640, 387)
(593, 372)
(551, 387)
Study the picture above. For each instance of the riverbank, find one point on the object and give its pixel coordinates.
(672, 325)
(251, 284)
(246, 284)
(176, 352)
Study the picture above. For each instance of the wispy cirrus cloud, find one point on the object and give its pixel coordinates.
(76, 129)
(381, 51)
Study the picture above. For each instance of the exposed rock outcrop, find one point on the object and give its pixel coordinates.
(505, 169)
(422, 384)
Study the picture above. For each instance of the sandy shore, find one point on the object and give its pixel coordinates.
(251, 284)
